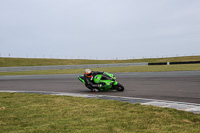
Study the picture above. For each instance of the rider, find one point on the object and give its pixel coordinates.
(88, 77)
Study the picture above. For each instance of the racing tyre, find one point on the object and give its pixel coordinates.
(119, 87)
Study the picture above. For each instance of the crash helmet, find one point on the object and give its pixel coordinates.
(88, 73)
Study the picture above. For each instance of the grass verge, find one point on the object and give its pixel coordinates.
(21, 112)
(185, 67)
(13, 62)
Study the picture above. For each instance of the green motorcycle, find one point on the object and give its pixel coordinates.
(107, 80)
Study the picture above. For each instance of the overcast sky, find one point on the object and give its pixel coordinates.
(99, 28)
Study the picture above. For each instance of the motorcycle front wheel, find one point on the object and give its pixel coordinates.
(119, 87)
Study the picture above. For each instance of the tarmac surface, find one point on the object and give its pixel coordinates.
(183, 86)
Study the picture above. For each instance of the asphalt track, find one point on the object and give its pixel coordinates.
(183, 86)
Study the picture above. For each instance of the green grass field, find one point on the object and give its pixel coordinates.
(20, 112)
(13, 62)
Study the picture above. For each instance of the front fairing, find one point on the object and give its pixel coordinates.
(106, 84)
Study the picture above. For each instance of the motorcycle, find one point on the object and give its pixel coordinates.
(107, 80)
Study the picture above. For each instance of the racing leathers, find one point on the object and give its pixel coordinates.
(89, 82)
